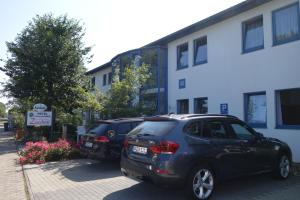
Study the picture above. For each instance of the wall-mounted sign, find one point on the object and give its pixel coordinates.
(39, 107)
(39, 118)
(224, 108)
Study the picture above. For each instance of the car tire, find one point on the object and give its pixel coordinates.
(201, 183)
(283, 167)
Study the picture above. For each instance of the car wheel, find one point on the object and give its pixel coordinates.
(283, 167)
(201, 183)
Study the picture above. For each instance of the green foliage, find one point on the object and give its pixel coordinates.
(122, 99)
(2, 110)
(46, 65)
(18, 118)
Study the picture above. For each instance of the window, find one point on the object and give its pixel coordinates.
(93, 81)
(183, 106)
(253, 34)
(288, 108)
(256, 109)
(286, 24)
(194, 128)
(154, 128)
(182, 56)
(200, 105)
(214, 129)
(124, 128)
(242, 131)
(200, 51)
(104, 80)
(181, 83)
(109, 78)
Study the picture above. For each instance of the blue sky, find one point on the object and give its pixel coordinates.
(112, 26)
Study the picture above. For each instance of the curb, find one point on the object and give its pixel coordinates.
(27, 187)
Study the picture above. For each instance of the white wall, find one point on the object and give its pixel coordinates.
(99, 79)
(229, 73)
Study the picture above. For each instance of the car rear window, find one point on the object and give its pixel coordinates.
(100, 129)
(156, 128)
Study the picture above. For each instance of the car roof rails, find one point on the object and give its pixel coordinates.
(209, 115)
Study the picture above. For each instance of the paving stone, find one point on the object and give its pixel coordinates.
(12, 183)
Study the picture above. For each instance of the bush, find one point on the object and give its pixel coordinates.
(41, 152)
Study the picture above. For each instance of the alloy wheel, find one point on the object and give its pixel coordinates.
(203, 184)
(284, 166)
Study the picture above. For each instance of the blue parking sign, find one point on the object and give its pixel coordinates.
(224, 108)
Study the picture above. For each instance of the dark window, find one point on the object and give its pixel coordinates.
(253, 34)
(181, 83)
(241, 131)
(154, 128)
(135, 124)
(99, 129)
(104, 80)
(200, 105)
(200, 51)
(93, 81)
(288, 107)
(182, 56)
(109, 78)
(214, 129)
(194, 128)
(286, 24)
(256, 109)
(183, 106)
(124, 128)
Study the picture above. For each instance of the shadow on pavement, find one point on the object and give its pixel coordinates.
(7, 143)
(93, 171)
(84, 169)
(146, 191)
(257, 187)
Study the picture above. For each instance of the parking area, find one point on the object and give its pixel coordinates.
(89, 179)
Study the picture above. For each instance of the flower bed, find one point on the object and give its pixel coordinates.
(41, 152)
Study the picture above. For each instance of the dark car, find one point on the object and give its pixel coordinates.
(196, 151)
(105, 140)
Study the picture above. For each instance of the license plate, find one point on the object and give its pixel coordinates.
(141, 150)
(89, 144)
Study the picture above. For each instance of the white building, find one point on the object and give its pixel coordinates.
(244, 61)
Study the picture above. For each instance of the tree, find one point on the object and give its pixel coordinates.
(2, 110)
(46, 64)
(122, 98)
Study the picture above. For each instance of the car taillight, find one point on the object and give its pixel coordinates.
(165, 147)
(102, 139)
(126, 143)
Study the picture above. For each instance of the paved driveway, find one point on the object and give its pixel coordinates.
(88, 179)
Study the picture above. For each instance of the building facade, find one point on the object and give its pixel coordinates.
(243, 61)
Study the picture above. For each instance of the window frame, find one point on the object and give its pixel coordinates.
(260, 47)
(109, 81)
(195, 51)
(188, 106)
(295, 38)
(246, 100)
(195, 103)
(183, 82)
(104, 80)
(179, 67)
(93, 81)
(283, 126)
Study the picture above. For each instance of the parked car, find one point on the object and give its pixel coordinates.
(105, 140)
(196, 151)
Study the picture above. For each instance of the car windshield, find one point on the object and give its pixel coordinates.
(156, 128)
(99, 129)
